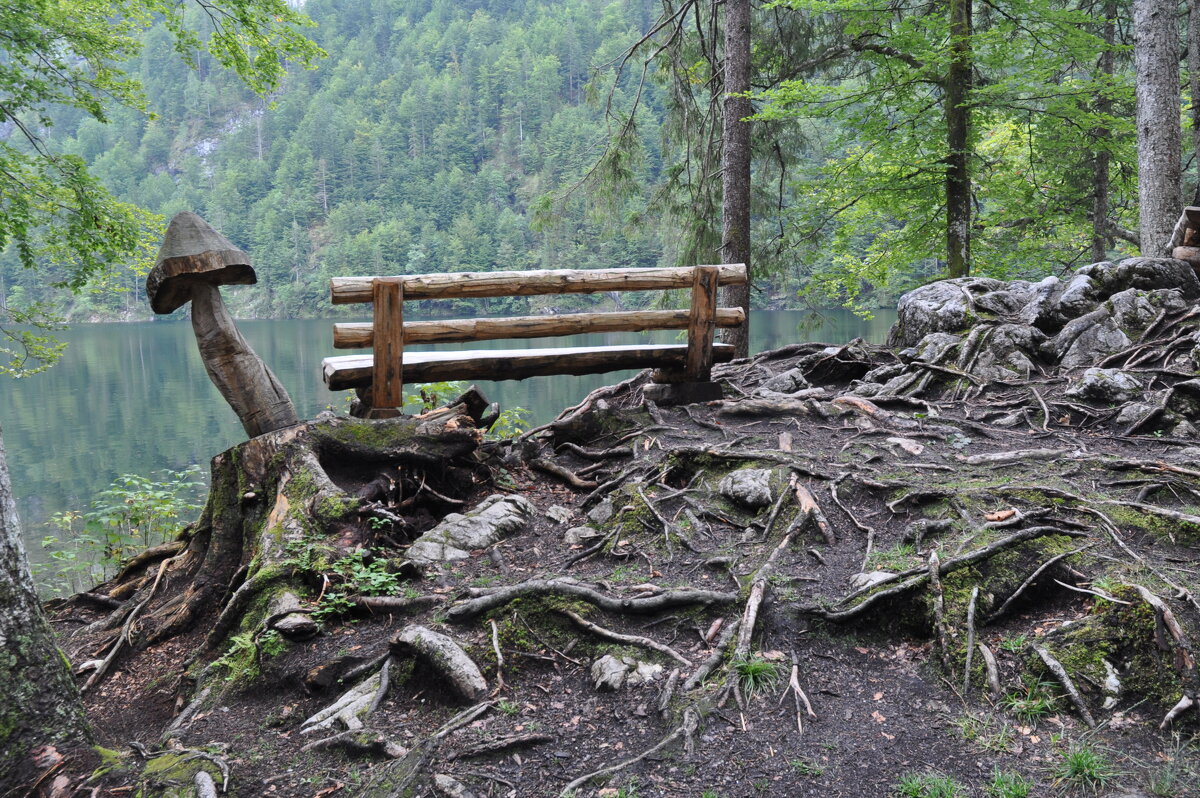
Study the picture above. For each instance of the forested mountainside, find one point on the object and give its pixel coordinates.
(418, 145)
(435, 133)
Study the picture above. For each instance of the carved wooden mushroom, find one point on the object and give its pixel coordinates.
(194, 261)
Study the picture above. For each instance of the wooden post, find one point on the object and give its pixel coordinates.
(701, 324)
(387, 380)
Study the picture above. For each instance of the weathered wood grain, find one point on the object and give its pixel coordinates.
(352, 290)
(353, 371)
(387, 387)
(359, 335)
(702, 324)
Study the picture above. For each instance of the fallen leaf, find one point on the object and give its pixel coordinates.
(889, 736)
(1033, 738)
(1001, 515)
(862, 650)
(878, 717)
(878, 696)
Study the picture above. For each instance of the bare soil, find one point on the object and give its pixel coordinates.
(888, 716)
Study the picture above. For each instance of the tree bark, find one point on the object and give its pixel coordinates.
(1193, 60)
(1156, 60)
(39, 702)
(958, 126)
(1101, 236)
(735, 166)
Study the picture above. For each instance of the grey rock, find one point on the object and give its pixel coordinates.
(613, 673)
(1009, 351)
(1088, 339)
(1146, 274)
(944, 306)
(643, 673)
(451, 787)
(936, 347)
(867, 578)
(601, 512)
(558, 513)
(493, 518)
(865, 389)
(1134, 411)
(293, 626)
(1105, 386)
(1188, 454)
(1184, 429)
(749, 487)
(1185, 398)
(608, 673)
(579, 534)
(786, 383)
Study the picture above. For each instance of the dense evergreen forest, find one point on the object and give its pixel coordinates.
(447, 136)
(418, 145)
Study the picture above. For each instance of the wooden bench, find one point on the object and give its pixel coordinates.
(683, 369)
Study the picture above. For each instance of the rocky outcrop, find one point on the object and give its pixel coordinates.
(995, 330)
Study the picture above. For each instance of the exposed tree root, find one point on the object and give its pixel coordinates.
(560, 587)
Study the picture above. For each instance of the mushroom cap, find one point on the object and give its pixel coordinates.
(193, 252)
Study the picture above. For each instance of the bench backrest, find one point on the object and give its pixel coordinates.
(388, 333)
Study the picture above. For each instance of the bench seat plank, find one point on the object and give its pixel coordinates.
(354, 371)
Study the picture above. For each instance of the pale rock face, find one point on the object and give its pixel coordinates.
(749, 487)
(1105, 385)
(457, 534)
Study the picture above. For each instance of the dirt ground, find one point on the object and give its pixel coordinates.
(893, 480)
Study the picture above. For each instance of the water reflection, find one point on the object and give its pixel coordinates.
(134, 398)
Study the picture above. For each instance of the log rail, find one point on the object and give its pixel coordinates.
(385, 372)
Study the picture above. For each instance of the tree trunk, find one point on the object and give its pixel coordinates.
(735, 163)
(1156, 58)
(1193, 55)
(958, 126)
(1101, 237)
(39, 703)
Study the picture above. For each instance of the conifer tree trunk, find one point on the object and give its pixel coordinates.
(1101, 158)
(1156, 60)
(39, 702)
(735, 166)
(1193, 60)
(958, 126)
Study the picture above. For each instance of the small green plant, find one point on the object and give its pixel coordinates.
(507, 707)
(756, 674)
(710, 794)
(1086, 767)
(366, 578)
(431, 395)
(928, 785)
(240, 660)
(333, 605)
(1015, 644)
(807, 767)
(1008, 784)
(1031, 704)
(132, 514)
(511, 423)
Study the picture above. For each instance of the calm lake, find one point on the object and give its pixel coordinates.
(134, 398)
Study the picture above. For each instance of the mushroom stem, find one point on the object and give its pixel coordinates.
(240, 375)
